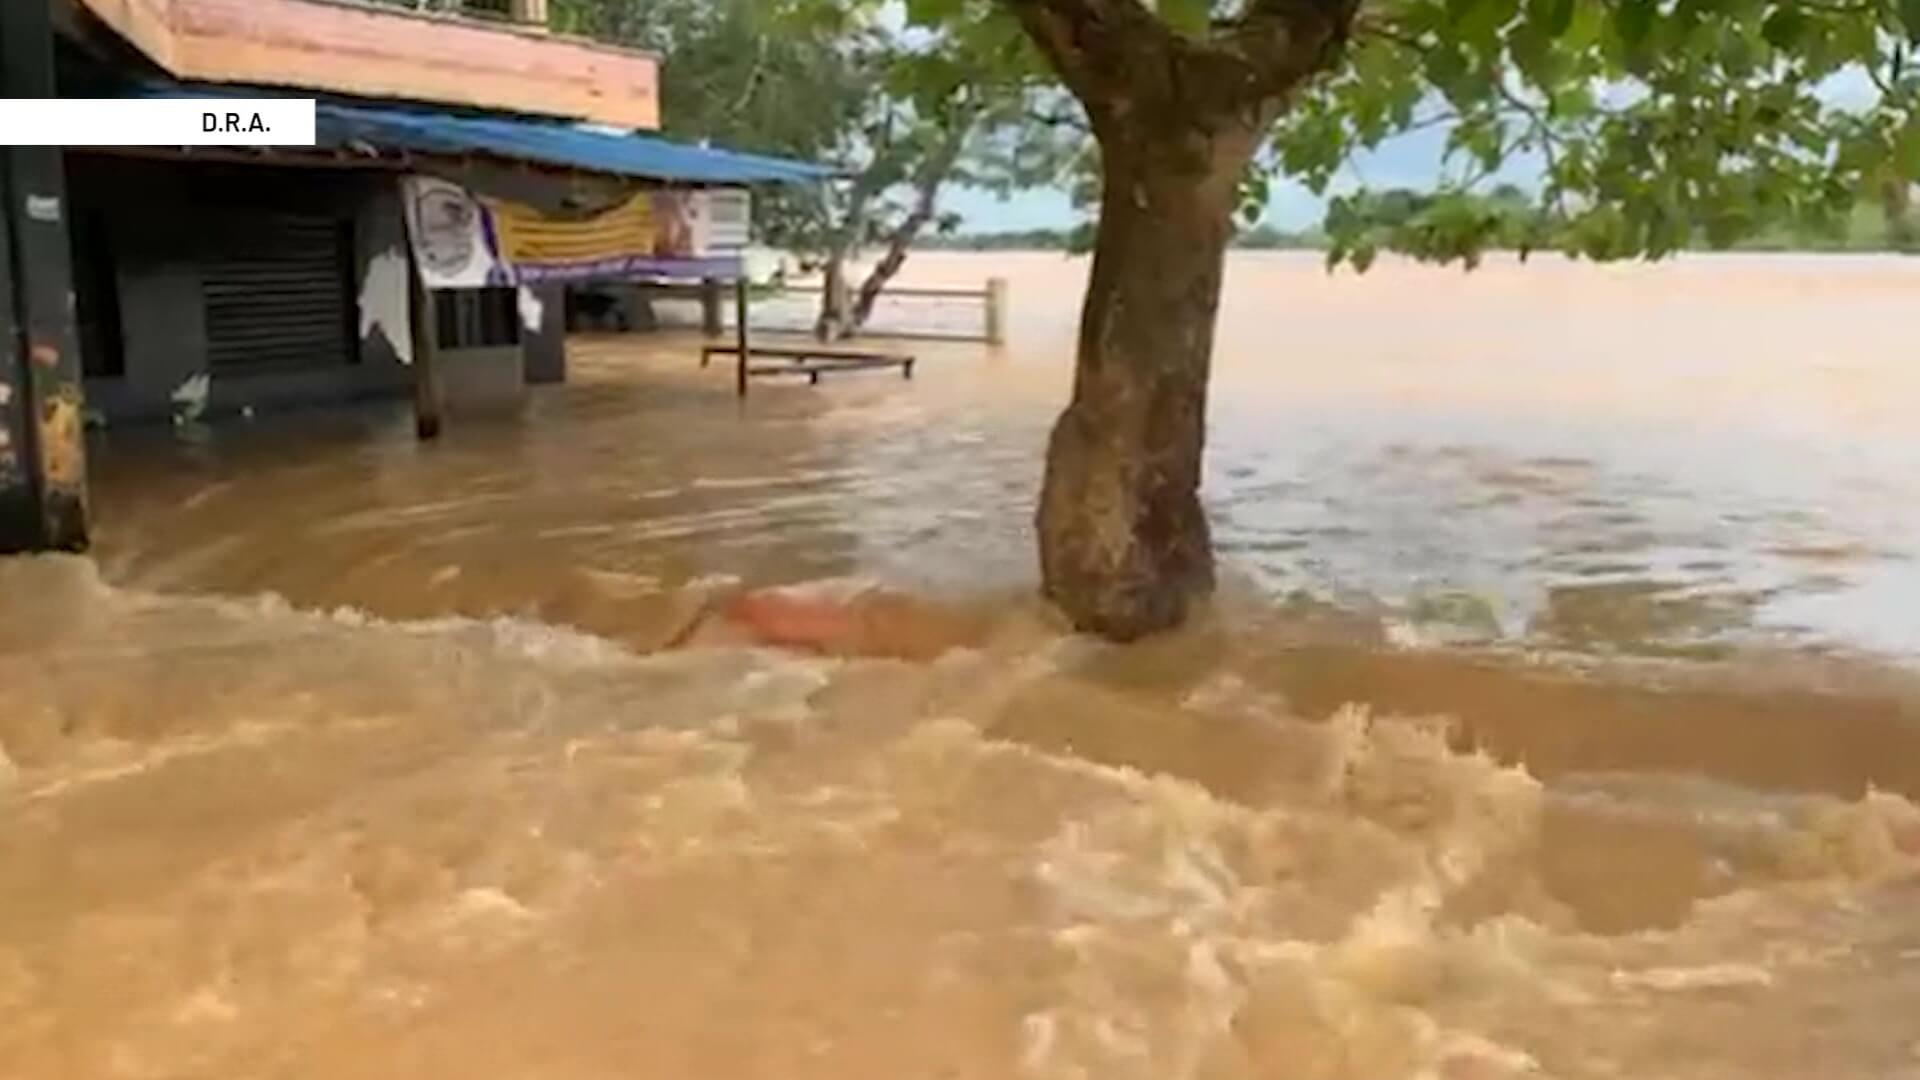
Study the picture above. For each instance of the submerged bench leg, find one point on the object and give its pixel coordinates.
(740, 332)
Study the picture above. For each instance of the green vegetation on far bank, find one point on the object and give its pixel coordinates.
(1259, 238)
(1867, 229)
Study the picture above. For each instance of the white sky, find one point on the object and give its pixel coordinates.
(1410, 161)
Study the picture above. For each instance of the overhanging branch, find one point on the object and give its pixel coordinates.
(1286, 41)
(1118, 55)
(1090, 42)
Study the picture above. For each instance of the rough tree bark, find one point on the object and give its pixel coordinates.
(1124, 544)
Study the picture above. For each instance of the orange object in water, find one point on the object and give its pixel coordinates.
(871, 622)
(795, 621)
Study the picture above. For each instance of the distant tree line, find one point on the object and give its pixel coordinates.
(1079, 239)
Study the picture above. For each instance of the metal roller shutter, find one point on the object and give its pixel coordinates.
(277, 293)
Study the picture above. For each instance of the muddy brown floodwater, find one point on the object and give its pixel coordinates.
(1559, 716)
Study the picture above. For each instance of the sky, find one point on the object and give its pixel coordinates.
(1410, 161)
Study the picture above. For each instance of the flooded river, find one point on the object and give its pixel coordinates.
(1560, 715)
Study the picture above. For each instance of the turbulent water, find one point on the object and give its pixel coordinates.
(1558, 718)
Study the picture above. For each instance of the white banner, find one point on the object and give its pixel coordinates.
(726, 220)
(453, 242)
(156, 121)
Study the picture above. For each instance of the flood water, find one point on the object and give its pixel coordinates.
(1560, 714)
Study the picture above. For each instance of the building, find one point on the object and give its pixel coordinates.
(148, 283)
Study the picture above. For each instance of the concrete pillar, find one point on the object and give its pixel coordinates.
(43, 470)
(546, 345)
(429, 392)
(996, 311)
(529, 12)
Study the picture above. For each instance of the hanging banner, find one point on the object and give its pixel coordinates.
(528, 237)
(464, 242)
(656, 234)
(453, 239)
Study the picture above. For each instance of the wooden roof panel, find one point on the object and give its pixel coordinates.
(342, 47)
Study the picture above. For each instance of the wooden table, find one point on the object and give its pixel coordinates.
(810, 361)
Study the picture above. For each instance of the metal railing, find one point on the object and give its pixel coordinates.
(896, 306)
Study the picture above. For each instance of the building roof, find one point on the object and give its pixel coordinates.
(358, 127)
(549, 143)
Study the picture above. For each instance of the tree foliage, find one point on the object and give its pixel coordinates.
(786, 77)
(902, 113)
(1651, 124)
(1640, 127)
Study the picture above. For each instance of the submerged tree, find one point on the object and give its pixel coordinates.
(947, 105)
(896, 111)
(1648, 121)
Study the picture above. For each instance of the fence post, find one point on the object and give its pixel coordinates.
(710, 306)
(997, 311)
(741, 339)
(528, 12)
(429, 393)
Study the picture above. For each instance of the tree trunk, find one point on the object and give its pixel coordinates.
(926, 196)
(835, 299)
(1124, 543)
(899, 242)
(1896, 204)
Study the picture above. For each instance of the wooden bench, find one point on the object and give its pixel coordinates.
(814, 371)
(812, 362)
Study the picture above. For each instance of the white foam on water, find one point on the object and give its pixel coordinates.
(1711, 977)
(480, 845)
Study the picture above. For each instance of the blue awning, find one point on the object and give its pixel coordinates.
(341, 125)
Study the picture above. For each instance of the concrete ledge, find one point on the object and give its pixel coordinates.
(483, 382)
(121, 401)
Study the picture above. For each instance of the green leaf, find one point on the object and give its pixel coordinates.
(1448, 69)
(1906, 149)
(1784, 28)
(1585, 25)
(932, 12)
(1910, 18)
(1532, 52)
(1559, 17)
(1186, 16)
(1633, 21)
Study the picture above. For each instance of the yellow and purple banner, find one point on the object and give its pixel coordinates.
(467, 242)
